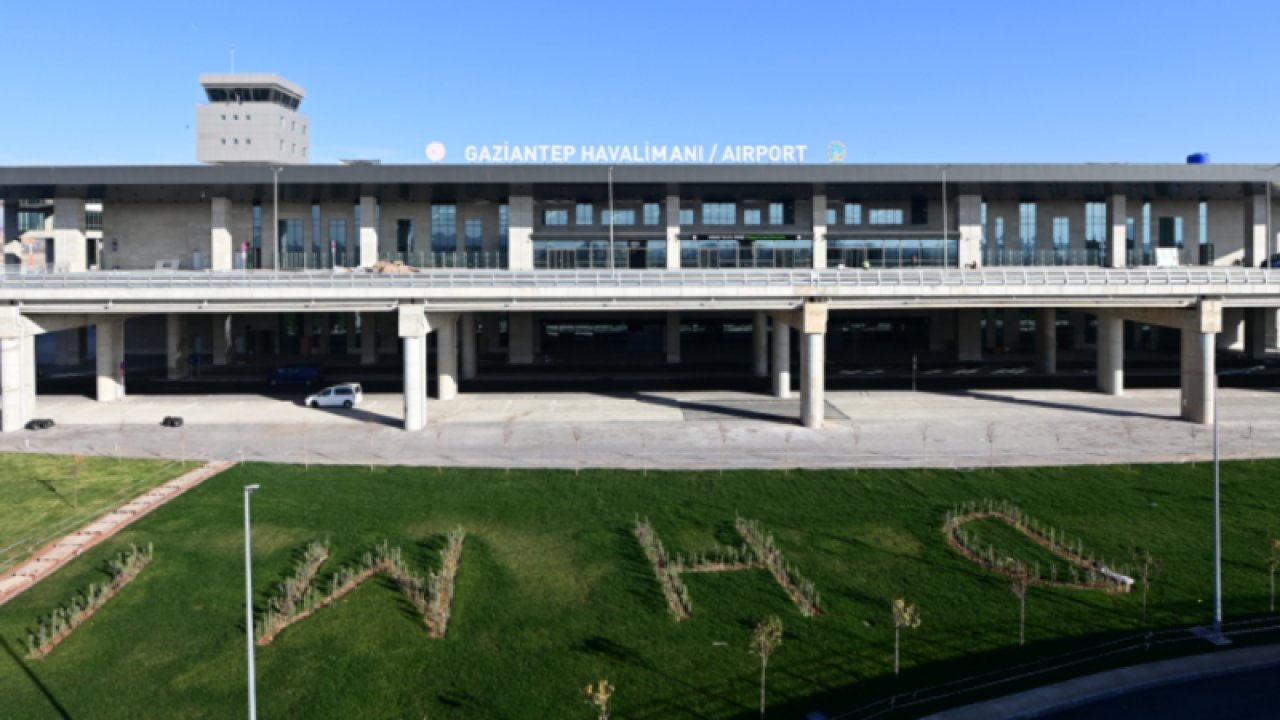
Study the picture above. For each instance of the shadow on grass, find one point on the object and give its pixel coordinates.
(44, 689)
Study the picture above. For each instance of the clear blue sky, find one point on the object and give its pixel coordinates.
(924, 81)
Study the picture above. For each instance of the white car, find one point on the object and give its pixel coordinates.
(345, 395)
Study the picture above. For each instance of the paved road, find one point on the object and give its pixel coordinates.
(1245, 696)
(669, 429)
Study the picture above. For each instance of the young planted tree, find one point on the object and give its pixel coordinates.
(1148, 568)
(856, 431)
(599, 695)
(1273, 565)
(991, 446)
(577, 448)
(904, 616)
(764, 640)
(1020, 580)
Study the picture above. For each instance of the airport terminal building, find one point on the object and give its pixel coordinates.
(444, 270)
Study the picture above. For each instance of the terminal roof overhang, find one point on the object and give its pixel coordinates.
(177, 183)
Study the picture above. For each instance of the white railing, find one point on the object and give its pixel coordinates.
(1256, 279)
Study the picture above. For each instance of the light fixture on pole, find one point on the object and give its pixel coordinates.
(611, 218)
(275, 215)
(248, 603)
(946, 221)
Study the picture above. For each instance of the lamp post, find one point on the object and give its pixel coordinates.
(275, 215)
(946, 221)
(611, 218)
(248, 603)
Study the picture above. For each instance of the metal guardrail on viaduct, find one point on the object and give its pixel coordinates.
(265, 291)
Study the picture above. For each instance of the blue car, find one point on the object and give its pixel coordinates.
(295, 375)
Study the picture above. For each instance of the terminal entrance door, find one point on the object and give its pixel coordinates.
(637, 254)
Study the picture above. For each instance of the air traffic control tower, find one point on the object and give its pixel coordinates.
(251, 118)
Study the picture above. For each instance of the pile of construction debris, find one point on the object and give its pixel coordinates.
(394, 267)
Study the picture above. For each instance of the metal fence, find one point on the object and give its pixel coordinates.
(1255, 279)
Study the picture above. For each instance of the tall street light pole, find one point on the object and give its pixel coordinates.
(248, 603)
(275, 215)
(611, 264)
(946, 220)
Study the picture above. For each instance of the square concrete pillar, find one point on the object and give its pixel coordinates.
(760, 345)
(781, 359)
(109, 333)
(220, 241)
(1260, 332)
(1198, 379)
(813, 329)
(520, 338)
(969, 222)
(175, 345)
(70, 249)
(1117, 251)
(1111, 355)
(942, 328)
(673, 231)
(1012, 329)
(445, 326)
(412, 330)
(1047, 341)
(672, 338)
(1233, 330)
(969, 334)
(368, 238)
(1255, 231)
(17, 369)
(520, 232)
(220, 332)
(467, 342)
(990, 341)
(819, 226)
(369, 338)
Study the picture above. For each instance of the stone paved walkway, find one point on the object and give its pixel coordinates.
(48, 559)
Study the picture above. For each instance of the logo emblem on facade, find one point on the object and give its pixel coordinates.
(435, 152)
(836, 151)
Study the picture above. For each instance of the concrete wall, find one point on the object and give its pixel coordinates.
(252, 132)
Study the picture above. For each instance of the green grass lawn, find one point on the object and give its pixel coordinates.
(45, 496)
(554, 592)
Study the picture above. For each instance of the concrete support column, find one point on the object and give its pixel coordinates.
(672, 343)
(1111, 355)
(781, 359)
(467, 337)
(1047, 341)
(969, 334)
(446, 327)
(110, 358)
(520, 338)
(1079, 330)
(219, 334)
(368, 339)
(813, 328)
(27, 358)
(1198, 381)
(1199, 361)
(969, 221)
(1012, 328)
(673, 231)
(819, 226)
(760, 345)
(174, 344)
(220, 241)
(813, 381)
(368, 231)
(1258, 329)
(1233, 330)
(413, 336)
(991, 343)
(1255, 230)
(520, 232)
(942, 328)
(1117, 250)
(70, 252)
(13, 371)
